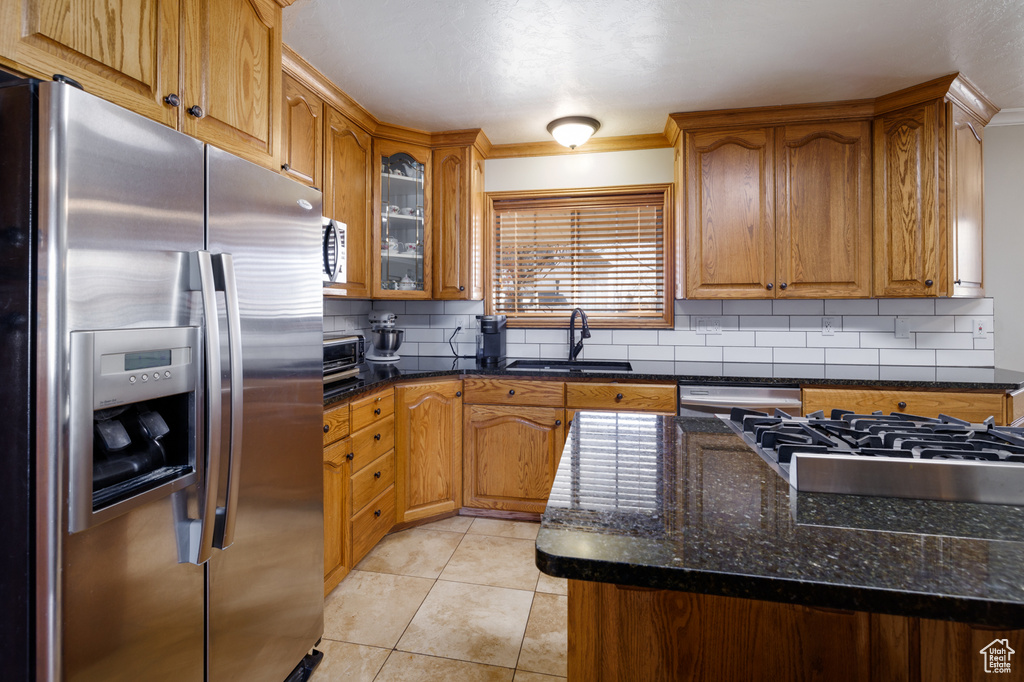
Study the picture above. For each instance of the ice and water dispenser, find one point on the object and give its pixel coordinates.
(135, 419)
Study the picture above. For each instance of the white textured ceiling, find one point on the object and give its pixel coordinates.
(511, 66)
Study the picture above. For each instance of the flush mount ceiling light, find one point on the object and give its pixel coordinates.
(572, 131)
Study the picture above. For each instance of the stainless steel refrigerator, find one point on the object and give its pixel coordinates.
(160, 401)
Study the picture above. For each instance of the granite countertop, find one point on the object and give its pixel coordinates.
(684, 504)
(374, 375)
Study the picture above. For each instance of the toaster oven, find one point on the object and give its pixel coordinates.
(343, 354)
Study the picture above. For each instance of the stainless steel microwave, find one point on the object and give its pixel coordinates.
(335, 253)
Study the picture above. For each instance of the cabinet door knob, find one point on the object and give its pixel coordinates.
(458, 394)
(783, 285)
(902, 405)
(619, 396)
(957, 282)
(928, 282)
(558, 422)
(770, 286)
(376, 474)
(172, 99)
(285, 167)
(377, 513)
(327, 428)
(196, 111)
(377, 411)
(376, 436)
(378, 399)
(350, 456)
(511, 391)
(462, 288)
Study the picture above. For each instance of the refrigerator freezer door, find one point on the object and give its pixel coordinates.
(266, 588)
(120, 205)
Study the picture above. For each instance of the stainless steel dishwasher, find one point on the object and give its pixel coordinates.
(703, 400)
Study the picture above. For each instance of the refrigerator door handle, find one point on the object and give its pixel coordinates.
(224, 272)
(201, 531)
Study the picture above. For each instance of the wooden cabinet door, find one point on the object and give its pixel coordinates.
(730, 221)
(302, 133)
(510, 455)
(906, 203)
(965, 178)
(428, 442)
(336, 513)
(125, 51)
(231, 51)
(451, 222)
(347, 186)
(823, 210)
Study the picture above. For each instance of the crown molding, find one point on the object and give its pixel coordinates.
(593, 145)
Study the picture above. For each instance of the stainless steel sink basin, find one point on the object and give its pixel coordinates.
(571, 365)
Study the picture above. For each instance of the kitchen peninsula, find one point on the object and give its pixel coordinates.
(690, 558)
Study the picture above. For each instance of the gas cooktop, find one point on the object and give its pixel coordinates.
(894, 455)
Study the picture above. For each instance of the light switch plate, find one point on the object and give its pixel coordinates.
(708, 325)
(902, 328)
(978, 328)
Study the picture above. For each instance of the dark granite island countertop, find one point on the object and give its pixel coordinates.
(684, 504)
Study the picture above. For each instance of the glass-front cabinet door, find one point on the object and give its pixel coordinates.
(403, 221)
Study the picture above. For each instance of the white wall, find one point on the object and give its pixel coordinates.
(1004, 239)
(605, 169)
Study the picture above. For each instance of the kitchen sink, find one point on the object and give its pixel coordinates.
(571, 365)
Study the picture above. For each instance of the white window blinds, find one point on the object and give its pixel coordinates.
(603, 253)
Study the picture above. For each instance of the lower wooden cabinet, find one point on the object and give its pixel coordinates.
(974, 407)
(336, 533)
(428, 440)
(510, 455)
(372, 523)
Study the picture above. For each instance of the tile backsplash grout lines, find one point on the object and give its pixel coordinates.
(783, 333)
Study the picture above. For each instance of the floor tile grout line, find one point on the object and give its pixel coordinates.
(522, 641)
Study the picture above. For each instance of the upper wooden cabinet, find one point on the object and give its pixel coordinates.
(348, 196)
(401, 243)
(209, 68)
(779, 212)
(302, 131)
(458, 186)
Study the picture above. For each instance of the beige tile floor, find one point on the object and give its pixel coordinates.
(456, 600)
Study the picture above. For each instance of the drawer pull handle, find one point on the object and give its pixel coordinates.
(902, 405)
(378, 399)
(376, 474)
(350, 456)
(327, 427)
(511, 391)
(377, 513)
(285, 167)
(619, 396)
(376, 436)
(377, 411)
(558, 422)
(458, 394)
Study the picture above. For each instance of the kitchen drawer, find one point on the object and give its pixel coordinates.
(1015, 408)
(974, 407)
(513, 392)
(619, 396)
(370, 443)
(335, 454)
(335, 423)
(372, 523)
(372, 480)
(372, 409)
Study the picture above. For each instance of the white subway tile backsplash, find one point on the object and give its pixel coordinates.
(691, 307)
(596, 336)
(906, 373)
(860, 323)
(698, 354)
(906, 306)
(652, 353)
(749, 369)
(851, 356)
(409, 348)
(859, 306)
(940, 340)
(746, 354)
(884, 340)
(730, 339)
(550, 336)
(647, 337)
(809, 323)
(965, 358)
(934, 323)
(964, 306)
(799, 371)
(522, 350)
(515, 336)
(680, 337)
(764, 322)
(837, 340)
(701, 369)
(441, 349)
(987, 343)
(464, 307)
(424, 334)
(794, 356)
(965, 374)
(792, 307)
(780, 338)
(899, 356)
(396, 307)
(856, 372)
(605, 352)
(965, 323)
(412, 321)
(415, 307)
(553, 351)
(747, 307)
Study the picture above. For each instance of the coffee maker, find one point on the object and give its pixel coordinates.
(490, 340)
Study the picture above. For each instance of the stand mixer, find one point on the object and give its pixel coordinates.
(385, 338)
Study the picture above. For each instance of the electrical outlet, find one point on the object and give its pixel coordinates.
(828, 326)
(978, 328)
(902, 328)
(708, 325)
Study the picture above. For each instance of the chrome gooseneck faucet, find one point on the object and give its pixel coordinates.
(574, 346)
